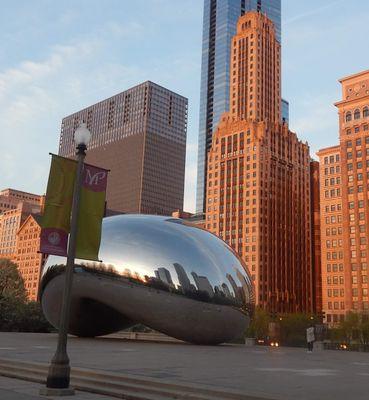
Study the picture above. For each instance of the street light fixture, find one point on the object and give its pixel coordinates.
(59, 371)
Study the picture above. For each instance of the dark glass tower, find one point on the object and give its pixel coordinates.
(140, 136)
(219, 26)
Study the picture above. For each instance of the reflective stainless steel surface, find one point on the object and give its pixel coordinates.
(159, 271)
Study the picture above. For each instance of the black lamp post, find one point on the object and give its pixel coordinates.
(59, 371)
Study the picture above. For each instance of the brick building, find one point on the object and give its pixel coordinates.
(27, 256)
(140, 135)
(195, 219)
(258, 175)
(344, 186)
(10, 198)
(20, 234)
(10, 221)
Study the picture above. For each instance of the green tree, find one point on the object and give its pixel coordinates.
(11, 281)
(364, 330)
(259, 325)
(350, 326)
(31, 318)
(16, 313)
(293, 328)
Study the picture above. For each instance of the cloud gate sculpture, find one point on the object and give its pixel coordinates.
(159, 271)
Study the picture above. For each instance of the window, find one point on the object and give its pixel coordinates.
(357, 114)
(348, 116)
(366, 112)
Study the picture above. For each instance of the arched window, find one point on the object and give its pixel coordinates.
(348, 116)
(366, 112)
(357, 114)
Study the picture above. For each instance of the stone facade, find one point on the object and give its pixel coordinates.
(258, 179)
(27, 256)
(344, 186)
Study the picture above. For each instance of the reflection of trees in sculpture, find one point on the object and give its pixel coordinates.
(203, 292)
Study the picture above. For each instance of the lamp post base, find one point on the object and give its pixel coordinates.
(57, 382)
(56, 392)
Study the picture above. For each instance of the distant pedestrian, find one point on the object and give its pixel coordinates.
(310, 338)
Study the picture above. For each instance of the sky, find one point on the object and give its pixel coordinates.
(57, 57)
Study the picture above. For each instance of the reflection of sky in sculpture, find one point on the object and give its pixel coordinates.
(181, 256)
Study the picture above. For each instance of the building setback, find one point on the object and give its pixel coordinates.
(258, 179)
(315, 236)
(219, 26)
(332, 263)
(140, 135)
(344, 187)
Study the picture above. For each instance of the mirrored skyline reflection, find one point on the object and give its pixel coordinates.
(172, 256)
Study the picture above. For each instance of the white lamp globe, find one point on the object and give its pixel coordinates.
(82, 135)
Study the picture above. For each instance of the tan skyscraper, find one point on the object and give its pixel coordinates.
(258, 180)
(344, 182)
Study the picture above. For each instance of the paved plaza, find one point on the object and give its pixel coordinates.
(274, 373)
(15, 389)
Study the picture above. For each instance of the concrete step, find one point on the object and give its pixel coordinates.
(118, 385)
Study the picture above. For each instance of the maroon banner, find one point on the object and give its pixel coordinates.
(95, 178)
(54, 241)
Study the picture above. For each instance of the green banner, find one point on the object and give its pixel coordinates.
(58, 203)
(91, 212)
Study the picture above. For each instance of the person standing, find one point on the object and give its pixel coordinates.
(310, 338)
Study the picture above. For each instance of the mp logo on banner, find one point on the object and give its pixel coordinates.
(95, 178)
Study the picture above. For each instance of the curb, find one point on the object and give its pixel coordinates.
(121, 386)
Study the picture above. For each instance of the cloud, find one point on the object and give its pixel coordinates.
(38, 91)
(309, 13)
(36, 95)
(127, 30)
